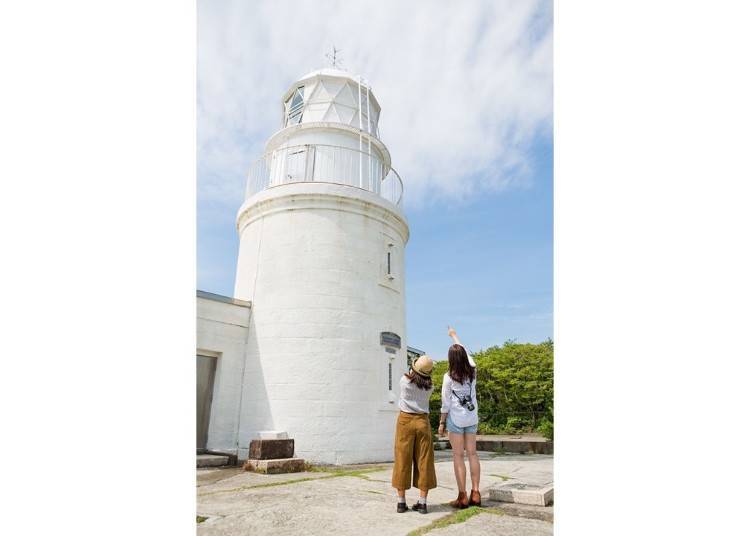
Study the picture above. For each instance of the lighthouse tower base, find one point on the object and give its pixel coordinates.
(322, 265)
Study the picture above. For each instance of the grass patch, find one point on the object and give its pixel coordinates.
(333, 472)
(451, 519)
(359, 474)
(310, 468)
(456, 517)
(340, 470)
(200, 519)
(266, 485)
(504, 477)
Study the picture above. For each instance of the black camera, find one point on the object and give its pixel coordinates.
(465, 401)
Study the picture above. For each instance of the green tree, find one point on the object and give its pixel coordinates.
(514, 388)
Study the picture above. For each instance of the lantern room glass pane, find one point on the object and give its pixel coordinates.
(294, 106)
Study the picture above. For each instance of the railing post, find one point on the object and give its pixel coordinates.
(309, 162)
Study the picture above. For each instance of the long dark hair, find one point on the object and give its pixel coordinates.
(423, 382)
(459, 368)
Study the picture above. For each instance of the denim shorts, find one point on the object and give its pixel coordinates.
(460, 429)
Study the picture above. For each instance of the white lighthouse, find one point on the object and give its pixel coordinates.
(321, 261)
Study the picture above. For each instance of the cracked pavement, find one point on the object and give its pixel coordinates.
(363, 503)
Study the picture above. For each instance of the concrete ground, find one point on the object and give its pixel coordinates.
(360, 500)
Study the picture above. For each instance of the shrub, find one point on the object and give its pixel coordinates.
(515, 425)
(488, 429)
(514, 388)
(546, 428)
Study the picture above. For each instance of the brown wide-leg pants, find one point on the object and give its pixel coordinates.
(413, 447)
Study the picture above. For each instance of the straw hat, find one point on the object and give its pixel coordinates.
(423, 366)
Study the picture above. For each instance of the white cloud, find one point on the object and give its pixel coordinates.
(464, 87)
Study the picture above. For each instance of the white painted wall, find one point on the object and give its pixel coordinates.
(312, 260)
(329, 136)
(307, 358)
(222, 331)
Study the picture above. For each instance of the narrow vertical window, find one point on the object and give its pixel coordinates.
(389, 263)
(390, 376)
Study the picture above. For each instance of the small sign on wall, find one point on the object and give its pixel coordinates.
(390, 339)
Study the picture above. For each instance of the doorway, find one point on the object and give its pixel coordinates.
(205, 372)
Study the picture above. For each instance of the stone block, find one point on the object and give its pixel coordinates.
(272, 434)
(211, 460)
(271, 449)
(273, 467)
(523, 494)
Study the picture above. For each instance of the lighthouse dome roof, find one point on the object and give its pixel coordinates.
(334, 96)
(329, 72)
(336, 73)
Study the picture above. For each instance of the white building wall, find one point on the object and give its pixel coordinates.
(222, 331)
(312, 260)
(330, 136)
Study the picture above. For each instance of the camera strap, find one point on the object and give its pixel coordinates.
(461, 400)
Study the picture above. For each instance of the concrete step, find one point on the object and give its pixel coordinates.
(273, 467)
(542, 513)
(520, 493)
(211, 460)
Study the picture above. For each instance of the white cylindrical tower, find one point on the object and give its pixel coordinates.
(321, 258)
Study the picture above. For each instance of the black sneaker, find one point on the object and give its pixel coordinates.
(401, 508)
(419, 507)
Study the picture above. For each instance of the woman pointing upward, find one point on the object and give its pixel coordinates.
(459, 414)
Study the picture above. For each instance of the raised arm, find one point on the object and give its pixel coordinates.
(453, 335)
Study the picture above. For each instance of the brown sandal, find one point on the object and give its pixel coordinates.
(462, 501)
(475, 499)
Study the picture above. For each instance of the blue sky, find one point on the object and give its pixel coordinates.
(466, 94)
(485, 266)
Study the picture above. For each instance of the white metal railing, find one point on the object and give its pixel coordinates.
(325, 163)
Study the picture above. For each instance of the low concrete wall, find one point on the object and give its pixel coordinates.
(511, 445)
(521, 446)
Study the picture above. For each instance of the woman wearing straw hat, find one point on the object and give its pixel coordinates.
(414, 437)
